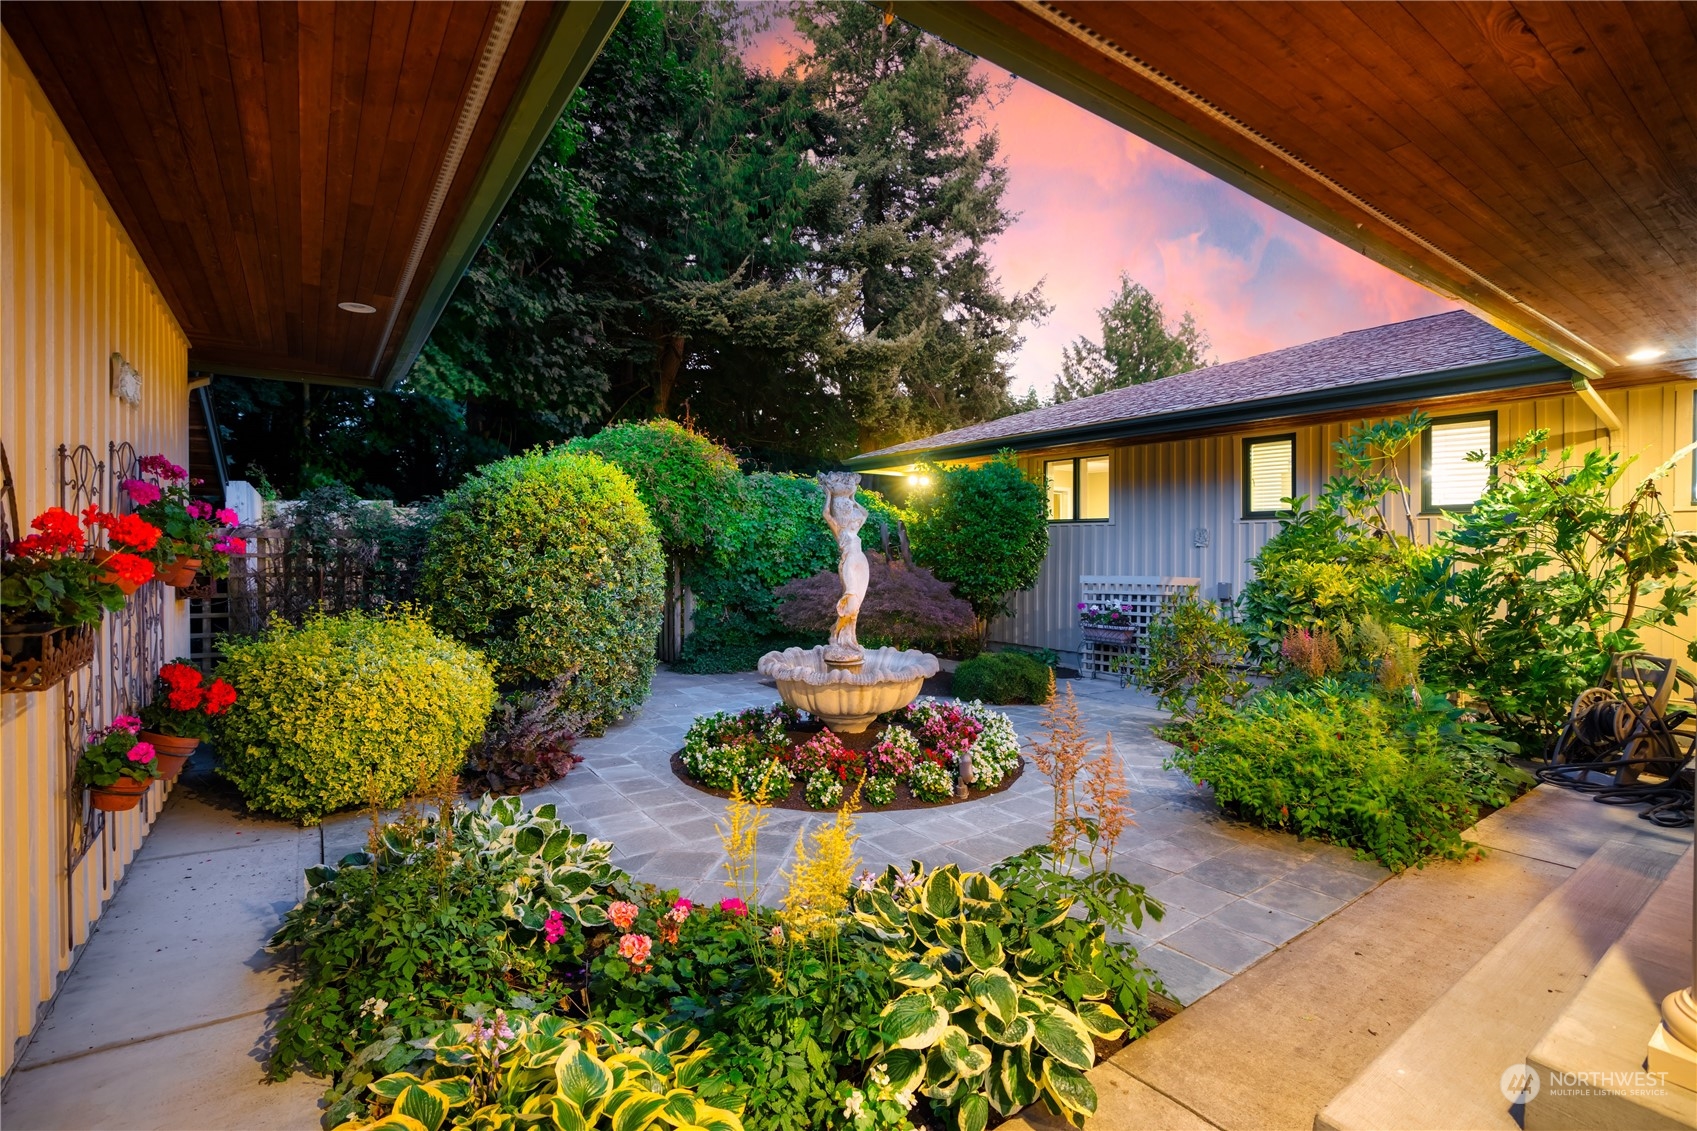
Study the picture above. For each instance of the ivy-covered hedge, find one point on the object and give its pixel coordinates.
(688, 483)
(346, 710)
(776, 535)
(549, 562)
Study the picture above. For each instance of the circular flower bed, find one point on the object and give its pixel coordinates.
(782, 756)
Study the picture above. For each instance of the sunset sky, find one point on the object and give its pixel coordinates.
(1094, 200)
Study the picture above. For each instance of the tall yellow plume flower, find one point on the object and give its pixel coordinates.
(740, 836)
(823, 870)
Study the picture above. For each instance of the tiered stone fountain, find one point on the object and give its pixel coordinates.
(841, 682)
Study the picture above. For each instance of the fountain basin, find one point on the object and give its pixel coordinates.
(848, 699)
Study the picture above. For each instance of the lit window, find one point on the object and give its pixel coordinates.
(1269, 475)
(1452, 480)
(1077, 489)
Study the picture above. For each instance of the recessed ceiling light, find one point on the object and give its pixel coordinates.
(1648, 353)
(357, 307)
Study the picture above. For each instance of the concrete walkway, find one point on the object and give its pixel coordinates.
(162, 1022)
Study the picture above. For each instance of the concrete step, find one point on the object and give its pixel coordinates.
(1590, 1062)
(1445, 1071)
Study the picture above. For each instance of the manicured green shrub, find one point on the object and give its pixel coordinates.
(689, 484)
(778, 534)
(1004, 677)
(548, 562)
(1345, 764)
(346, 710)
(985, 529)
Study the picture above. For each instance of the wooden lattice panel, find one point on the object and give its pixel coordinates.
(1143, 599)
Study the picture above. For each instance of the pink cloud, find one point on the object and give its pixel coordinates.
(1094, 200)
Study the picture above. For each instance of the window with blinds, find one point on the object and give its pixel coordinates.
(1269, 475)
(1451, 480)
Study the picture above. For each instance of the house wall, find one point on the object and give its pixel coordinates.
(1169, 496)
(72, 291)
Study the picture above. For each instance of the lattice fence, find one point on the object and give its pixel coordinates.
(1144, 598)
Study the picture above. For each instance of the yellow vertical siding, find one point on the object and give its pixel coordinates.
(1169, 495)
(72, 292)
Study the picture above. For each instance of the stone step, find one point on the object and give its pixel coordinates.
(1445, 1071)
(1589, 1063)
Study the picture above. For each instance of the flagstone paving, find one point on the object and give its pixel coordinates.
(176, 972)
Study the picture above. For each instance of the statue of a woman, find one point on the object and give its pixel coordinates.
(844, 515)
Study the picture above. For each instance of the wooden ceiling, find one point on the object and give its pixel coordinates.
(271, 160)
(1536, 161)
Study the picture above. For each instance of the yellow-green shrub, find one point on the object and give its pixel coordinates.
(549, 563)
(345, 709)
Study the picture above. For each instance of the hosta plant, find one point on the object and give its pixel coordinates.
(1005, 995)
(544, 1072)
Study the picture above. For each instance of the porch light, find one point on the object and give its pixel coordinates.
(357, 307)
(919, 481)
(1648, 353)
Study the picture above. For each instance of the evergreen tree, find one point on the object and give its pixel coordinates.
(1136, 346)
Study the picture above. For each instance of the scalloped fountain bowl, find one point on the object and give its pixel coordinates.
(849, 698)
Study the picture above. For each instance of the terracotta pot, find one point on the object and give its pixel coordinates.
(180, 573)
(121, 795)
(111, 578)
(173, 752)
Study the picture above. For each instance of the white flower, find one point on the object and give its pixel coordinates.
(852, 1107)
(374, 1006)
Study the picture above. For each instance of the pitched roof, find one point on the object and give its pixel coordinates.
(1438, 343)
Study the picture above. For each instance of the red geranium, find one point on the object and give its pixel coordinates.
(57, 532)
(183, 703)
(129, 568)
(129, 530)
(219, 697)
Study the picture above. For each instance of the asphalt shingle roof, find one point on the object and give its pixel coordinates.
(1438, 342)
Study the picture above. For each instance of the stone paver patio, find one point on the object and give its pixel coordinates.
(162, 1022)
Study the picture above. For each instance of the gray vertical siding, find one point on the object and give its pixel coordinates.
(1165, 492)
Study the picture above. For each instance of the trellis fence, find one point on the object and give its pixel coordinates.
(1105, 651)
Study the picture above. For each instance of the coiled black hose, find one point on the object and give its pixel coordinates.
(1670, 802)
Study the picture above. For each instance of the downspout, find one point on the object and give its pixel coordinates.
(1595, 402)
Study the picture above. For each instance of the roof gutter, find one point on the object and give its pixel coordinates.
(1473, 379)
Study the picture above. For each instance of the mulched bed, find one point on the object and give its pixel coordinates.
(865, 740)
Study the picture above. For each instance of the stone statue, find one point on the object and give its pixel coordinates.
(845, 516)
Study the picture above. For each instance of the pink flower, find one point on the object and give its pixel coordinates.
(733, 906)
(635, 949)
(681, 909)
(141, 492)
(163, 468)
(230, 545)
(198, 509)
(622, 914)
(554, 927)
(227, 517)
(142, 752)
(126, 722)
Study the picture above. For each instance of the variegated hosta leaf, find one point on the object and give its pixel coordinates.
(904, 1067)
(1101, 1020)
(982, 945)
(995, 992)
(973, 1114)
(425, 1104)
(1063, 1036)
(942, 893)
(916, 974)
(965, 1057)
(583, 1079)
(913, 1021)
(1070, 1089)
(390, 1087)
(1018, 1031)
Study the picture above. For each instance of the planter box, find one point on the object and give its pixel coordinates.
(37, 659)
(1109, 633)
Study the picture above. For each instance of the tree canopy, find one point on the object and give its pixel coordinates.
(1138, 344)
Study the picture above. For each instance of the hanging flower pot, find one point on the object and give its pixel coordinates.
(179, 574)
(37, 657)
(122, 795)
(173, 752)
(125, 571)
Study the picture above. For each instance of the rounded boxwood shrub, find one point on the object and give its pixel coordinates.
(1004, 677)
(343, 710)
(689, 484)
(549, 563)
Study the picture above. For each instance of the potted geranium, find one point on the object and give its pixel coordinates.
(194, 534)
(180, 717)
(117, 766)
(56, 585)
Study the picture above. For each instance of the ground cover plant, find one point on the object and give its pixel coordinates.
(549, 563)
(921, 752)
(477, 966)
(340, 711)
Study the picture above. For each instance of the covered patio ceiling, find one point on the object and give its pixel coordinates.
(272, 161)
(1535, 161)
